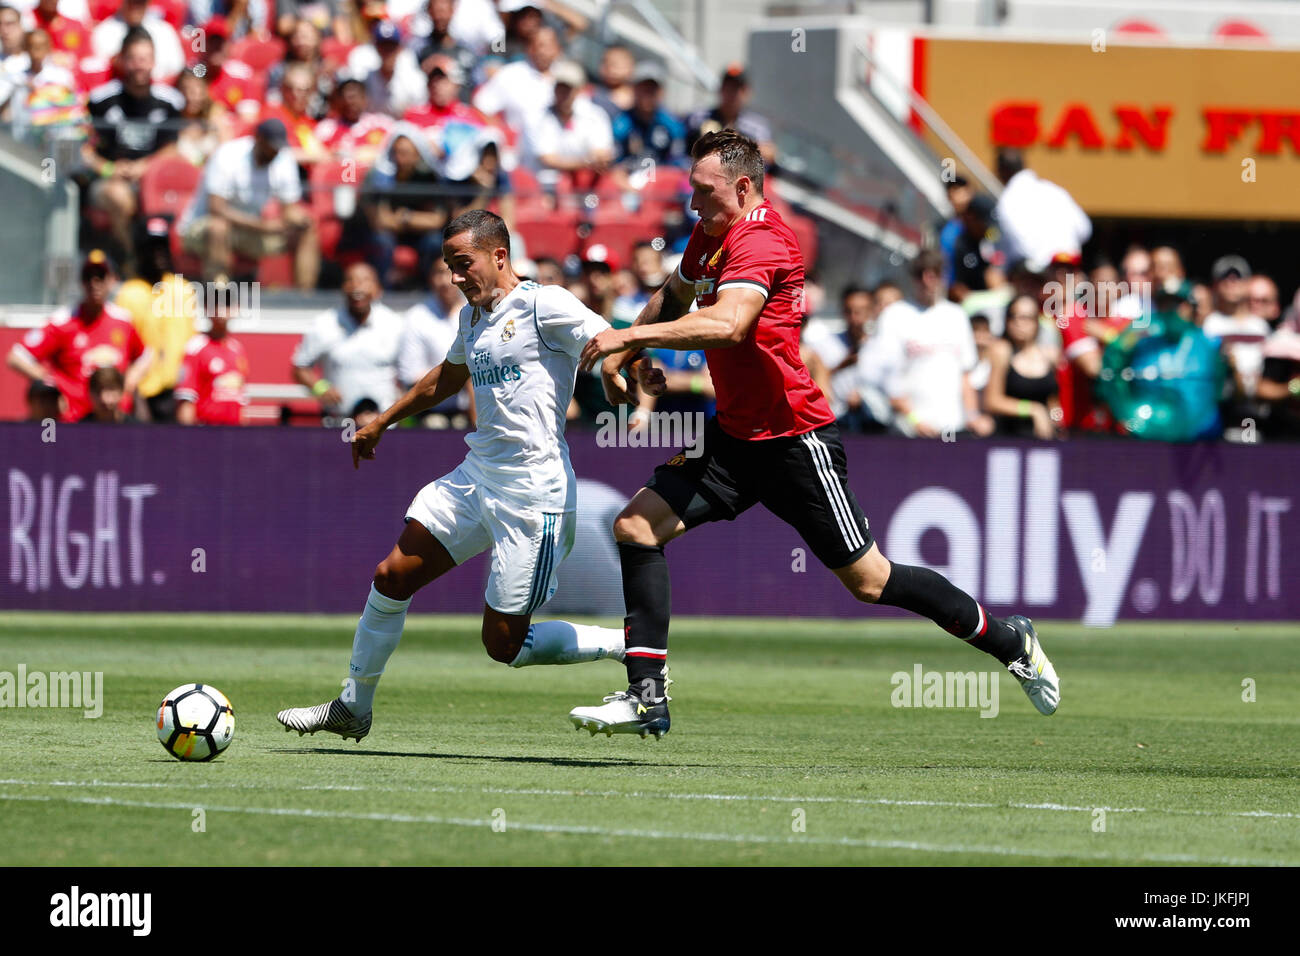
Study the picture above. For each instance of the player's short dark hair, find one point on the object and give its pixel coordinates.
(930, 260)
(487, 230)
(133, 36)
(884, 284)
(738, 153)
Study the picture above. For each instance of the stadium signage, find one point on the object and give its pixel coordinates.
(1098, 531)
(1165, 132)
(1024, 124)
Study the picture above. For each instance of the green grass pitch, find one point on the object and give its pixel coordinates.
(785, 749)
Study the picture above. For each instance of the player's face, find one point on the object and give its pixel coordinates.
(474, 271)
(95, 288)
(715, 199)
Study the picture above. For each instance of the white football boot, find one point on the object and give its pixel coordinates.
(1034, 670)
(624, 713)
(332, 716)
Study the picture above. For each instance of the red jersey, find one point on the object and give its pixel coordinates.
(74, 348)
(212, 376)
(237, 82)
(67, 36)
(431, 115)
(301, 128)
(1079, 406)
(343, 138)
(764, 390)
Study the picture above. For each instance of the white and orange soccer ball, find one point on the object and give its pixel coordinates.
(195, 722)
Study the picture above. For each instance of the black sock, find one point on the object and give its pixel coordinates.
(931, 595)
(647, 597)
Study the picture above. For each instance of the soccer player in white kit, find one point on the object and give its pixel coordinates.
(515, 492)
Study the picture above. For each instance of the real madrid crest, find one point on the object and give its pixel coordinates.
(508, 332)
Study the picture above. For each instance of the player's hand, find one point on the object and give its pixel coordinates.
(364, 442)
(652, 380)
(616, 390)
(606, 343)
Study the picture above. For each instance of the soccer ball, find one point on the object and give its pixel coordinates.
(195, 722)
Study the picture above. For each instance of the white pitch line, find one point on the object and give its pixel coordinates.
(638, 795)
(587, 830)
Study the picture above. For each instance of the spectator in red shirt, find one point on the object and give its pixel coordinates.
(71, 38)
(210, 390)
(231, 82)
(293, 109)
(96, 334)
(445, 104)
(352, 131)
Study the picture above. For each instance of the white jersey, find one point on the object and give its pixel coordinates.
(523, 359)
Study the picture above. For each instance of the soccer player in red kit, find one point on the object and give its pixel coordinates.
(97, 333)
(210, 388)
(774, 441)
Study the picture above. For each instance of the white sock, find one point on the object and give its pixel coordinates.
(559, 642)
(378, 632)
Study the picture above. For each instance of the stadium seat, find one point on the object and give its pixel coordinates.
(1238, 31)
(334, 51)
(324, 177)
(621, 230)
(167, 185)
(1138, 28)
(261, 54)
(552, 234)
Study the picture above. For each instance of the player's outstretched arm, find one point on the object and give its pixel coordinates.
(439, 384)
(725, 323)
(670, 302)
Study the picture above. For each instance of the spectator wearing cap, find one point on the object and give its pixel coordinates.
(134, 120)
(612, 90)
(352, 130)
(570, 142)
(351, 352)
(1038, 218)
(438, 44)
(976, 258)
(293, 109)
(212, 384)
(522, 91)
(960, 193)
(163, 308)
(228, 213)
(66, 351)
(647, 136)
(231, 82)
(169, 56)
(394, 81)
(1239, 333)
(732, 112)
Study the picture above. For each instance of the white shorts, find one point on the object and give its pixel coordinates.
(469, 515)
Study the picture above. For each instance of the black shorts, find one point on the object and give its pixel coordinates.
(802, 479)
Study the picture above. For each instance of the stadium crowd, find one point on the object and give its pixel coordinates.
(256, 113)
